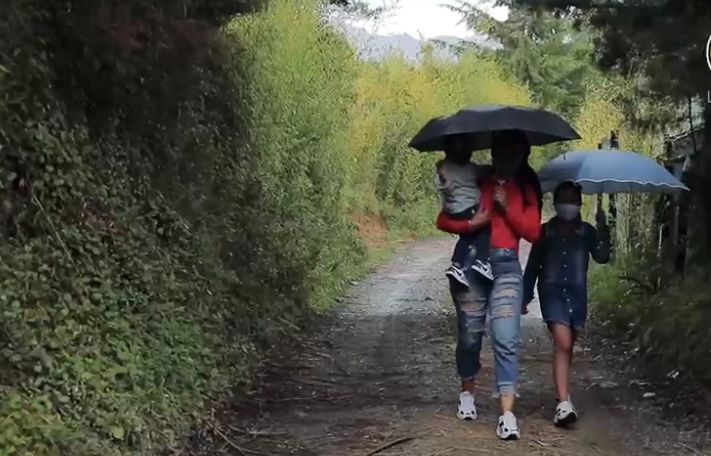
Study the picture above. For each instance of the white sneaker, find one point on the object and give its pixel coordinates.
(457, 274)
(565, 414)
(467, 409)
(508, 427)
(483, 268)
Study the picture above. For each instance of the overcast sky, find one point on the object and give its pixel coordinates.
(425, 17)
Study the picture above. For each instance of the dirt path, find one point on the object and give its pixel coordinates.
(382, 371)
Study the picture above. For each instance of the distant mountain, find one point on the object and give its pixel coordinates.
(374, 46)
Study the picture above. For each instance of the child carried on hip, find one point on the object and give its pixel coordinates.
(456, 182)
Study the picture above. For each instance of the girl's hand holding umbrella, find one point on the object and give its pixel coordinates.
(600, 217)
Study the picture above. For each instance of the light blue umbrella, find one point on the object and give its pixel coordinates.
(609, 171)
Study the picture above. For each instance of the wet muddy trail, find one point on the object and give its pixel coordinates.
(378, 378)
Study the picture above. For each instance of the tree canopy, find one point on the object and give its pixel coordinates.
(662, 40)
(541, 49)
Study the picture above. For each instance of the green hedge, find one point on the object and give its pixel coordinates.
(175, 195)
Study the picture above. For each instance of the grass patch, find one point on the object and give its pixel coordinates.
(666, 327)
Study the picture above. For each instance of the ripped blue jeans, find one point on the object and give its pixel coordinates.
(501, 300)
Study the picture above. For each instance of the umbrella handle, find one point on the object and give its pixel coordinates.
(600, 216)
(497, 205)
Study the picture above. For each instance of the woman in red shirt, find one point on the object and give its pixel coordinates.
(510, 202)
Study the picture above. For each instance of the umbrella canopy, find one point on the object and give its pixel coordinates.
(478, 124)
(609, 171)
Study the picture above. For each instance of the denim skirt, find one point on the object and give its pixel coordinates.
(564, 304)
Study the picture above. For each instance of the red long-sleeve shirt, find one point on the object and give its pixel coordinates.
(519, 221)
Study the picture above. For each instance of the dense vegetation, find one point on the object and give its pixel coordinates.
(179, 190)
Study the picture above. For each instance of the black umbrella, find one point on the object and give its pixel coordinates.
(478, 123)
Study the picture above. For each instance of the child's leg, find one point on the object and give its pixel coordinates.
(480, 242)
(563, 339)
(460, 258)
(480, 257)
(461, 252)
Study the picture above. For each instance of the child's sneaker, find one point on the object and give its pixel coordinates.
(483, 268)
(565, 414)
(466, 409)
(507, 428)
(457, 274)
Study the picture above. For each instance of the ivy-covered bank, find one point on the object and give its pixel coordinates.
(179, 189)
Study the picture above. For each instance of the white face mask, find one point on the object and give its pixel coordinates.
(567, 212)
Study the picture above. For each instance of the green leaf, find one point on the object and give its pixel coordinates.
(117, 432)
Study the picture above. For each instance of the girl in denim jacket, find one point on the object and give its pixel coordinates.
(559, 263)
